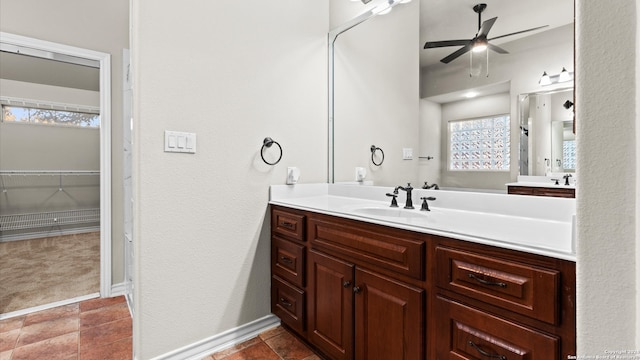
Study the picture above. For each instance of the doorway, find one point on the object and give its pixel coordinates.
(68, 202)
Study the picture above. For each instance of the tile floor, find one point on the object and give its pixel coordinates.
(101, 329)
(92, 329)
(274, 344)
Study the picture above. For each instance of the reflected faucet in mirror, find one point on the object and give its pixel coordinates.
(433, 186)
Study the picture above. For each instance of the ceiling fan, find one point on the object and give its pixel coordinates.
(479, 42)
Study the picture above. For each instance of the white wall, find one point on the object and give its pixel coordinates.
(91, 24)
(607, 206)
(376, 97)
(233, 72)
(429, 135)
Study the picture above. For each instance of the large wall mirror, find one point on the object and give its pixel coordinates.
(55, 145)
(411, 114)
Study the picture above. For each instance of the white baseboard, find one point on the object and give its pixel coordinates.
(206, 347)
(118, 289)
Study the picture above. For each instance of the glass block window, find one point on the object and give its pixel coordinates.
(569, 154)
(34, 115)
(480, 144)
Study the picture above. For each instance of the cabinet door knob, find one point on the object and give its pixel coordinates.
(346, 284)
(357, 289)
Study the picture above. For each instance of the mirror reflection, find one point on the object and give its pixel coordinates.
(377, 107)
(547, 141)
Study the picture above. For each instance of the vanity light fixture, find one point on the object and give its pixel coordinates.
(564, 76)
(545, 79)
(470, 94)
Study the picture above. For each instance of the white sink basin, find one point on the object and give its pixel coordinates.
(390, 212)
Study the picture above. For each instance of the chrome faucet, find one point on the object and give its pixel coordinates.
(409, 203)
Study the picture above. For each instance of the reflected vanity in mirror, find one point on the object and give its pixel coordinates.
(547, 141)
(377, 98)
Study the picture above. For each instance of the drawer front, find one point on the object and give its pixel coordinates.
(566, 193)
(287, 260)
(287, 303)
(520, 190)
(287, 224)
(520, 288)
(468, 333)
(386, 250)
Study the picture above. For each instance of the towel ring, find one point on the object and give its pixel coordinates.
(373, 152)
(267, 142)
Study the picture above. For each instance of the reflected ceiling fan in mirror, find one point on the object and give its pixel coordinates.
(479, 42)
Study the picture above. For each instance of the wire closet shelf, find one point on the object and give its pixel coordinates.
(35, 220)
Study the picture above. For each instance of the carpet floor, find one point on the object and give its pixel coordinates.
(42, 271)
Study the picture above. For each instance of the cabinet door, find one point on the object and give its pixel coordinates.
(330, 310)
(389, 318)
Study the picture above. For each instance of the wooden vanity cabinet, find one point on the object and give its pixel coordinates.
(497, 303)
(542, 191)
(359, 305)
(356, 290)
(288, 266)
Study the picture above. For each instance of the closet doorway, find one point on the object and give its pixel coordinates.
(55, 174)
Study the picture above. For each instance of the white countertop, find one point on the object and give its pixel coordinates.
(539, 225)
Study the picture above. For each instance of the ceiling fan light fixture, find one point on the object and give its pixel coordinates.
(545, 79)
(564, 76)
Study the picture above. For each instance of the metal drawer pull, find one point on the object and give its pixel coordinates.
(484, 353)
(286, 260)
(285, 302)
(287, 224)
(485, 282)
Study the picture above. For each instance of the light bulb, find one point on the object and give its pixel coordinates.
(545, 79)
(564, 76)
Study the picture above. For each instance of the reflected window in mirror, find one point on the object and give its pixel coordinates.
(480, 144)
(43, 116)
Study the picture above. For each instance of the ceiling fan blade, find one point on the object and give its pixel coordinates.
(486, 26)
(497, 49)
(438, 44)
(454, 55)
(519, 32)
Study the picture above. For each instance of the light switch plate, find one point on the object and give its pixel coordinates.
(180, 142)
(407, 153)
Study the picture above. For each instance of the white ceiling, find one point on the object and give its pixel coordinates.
(455, 20)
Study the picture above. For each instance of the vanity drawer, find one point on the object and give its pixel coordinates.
(521, 288)
(287, 303)
(287, 260)
(287, 223)
(468, 333)
(391, 249)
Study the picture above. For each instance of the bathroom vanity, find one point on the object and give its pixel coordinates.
(405, 284)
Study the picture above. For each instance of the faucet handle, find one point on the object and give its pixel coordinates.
(394, 202)
(557, 181)
(425, 205)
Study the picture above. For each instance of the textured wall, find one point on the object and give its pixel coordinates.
(233, 72)
(608, 186)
